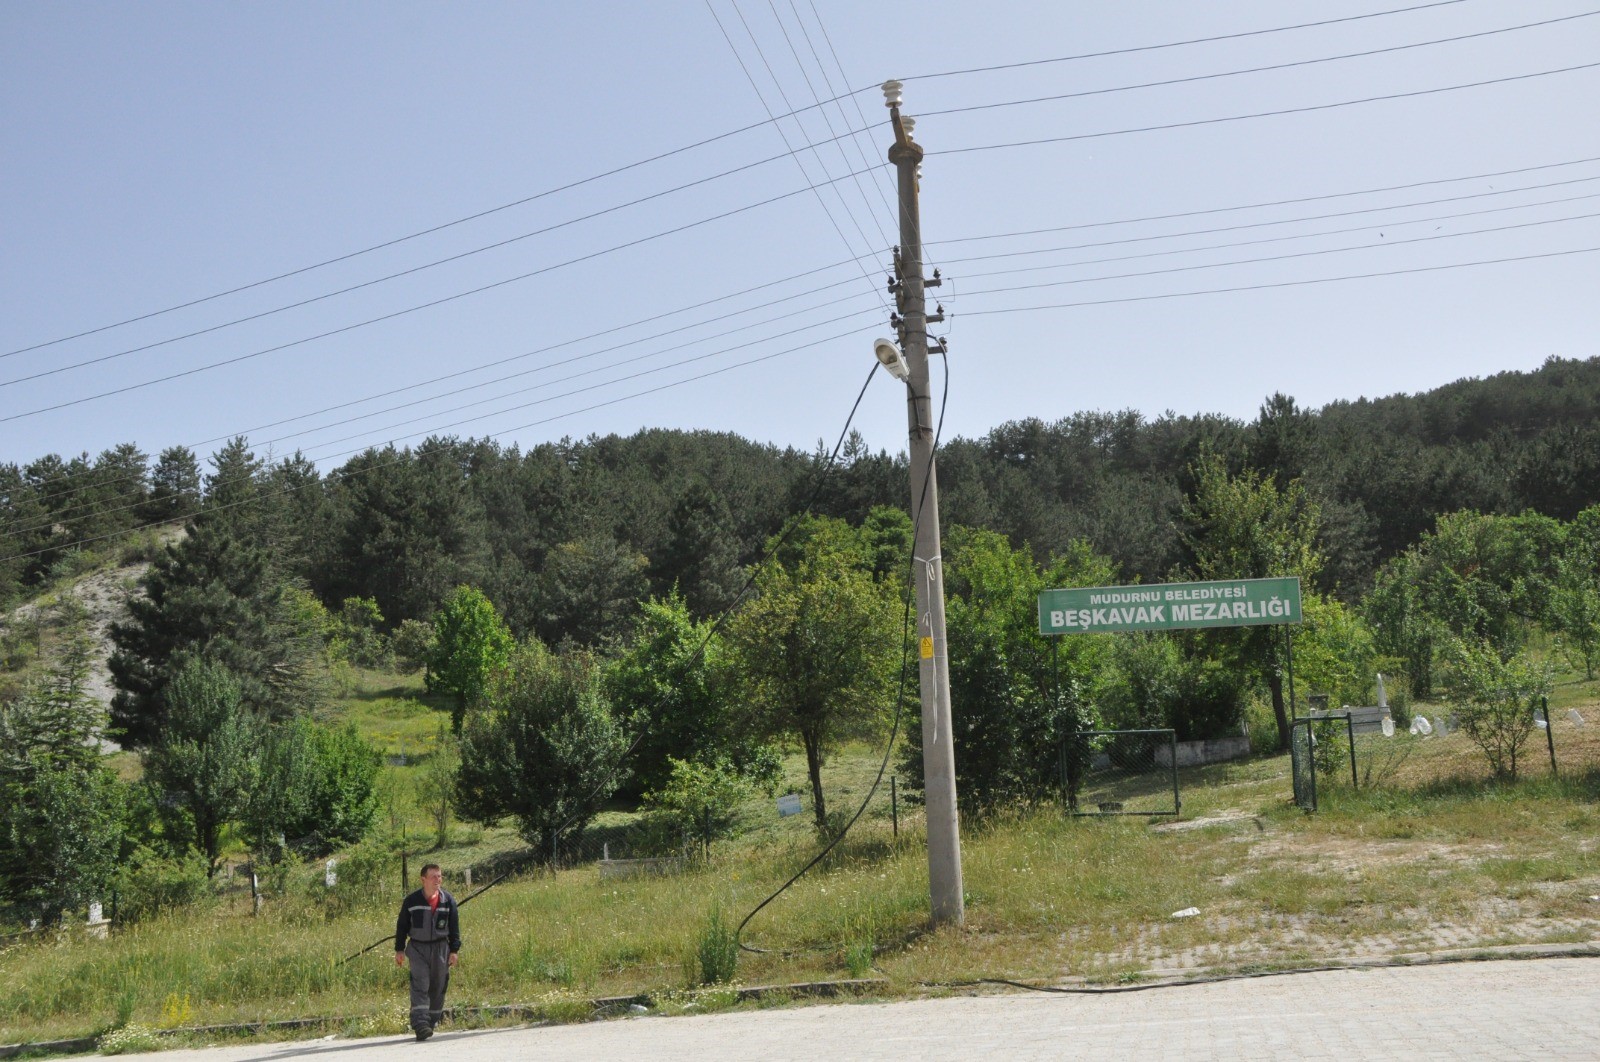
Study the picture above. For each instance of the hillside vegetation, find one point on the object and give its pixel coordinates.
(521, 662)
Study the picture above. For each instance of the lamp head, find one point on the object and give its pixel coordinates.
(890, 357)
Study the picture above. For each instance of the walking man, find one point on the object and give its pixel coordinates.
(428, 934)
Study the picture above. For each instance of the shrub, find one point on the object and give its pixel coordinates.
(700, 800)
(150, 883)
(718, 951)
(1496, 697)
(411, 643)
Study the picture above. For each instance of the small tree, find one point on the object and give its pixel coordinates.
(436, 787)
(204, 759)
(1575, 613)
(1496, 697)
(61, 808)
(470, 644)
(701, 800)
(543, 749)
(820, 645)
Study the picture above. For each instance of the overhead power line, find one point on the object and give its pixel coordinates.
(1163, 127)
(88, 506)
(401, 312)
(1278, 202)
(1277, 284)
(1282, 257)
(1135, 49)
(835, 99)
(1256, 69)
(1242, 226)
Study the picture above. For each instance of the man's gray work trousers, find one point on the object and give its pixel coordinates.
(430, 976)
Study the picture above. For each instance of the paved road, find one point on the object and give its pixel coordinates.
(1538, 1009)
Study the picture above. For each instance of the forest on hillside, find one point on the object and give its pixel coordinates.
(567, 537)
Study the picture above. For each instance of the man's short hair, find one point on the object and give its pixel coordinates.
(430, 866)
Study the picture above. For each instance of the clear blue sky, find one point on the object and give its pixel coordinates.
(156, 153)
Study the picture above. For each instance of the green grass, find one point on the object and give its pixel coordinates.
(1049, 897)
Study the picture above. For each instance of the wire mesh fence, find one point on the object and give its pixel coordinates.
(1120, 772)
(1429, 749)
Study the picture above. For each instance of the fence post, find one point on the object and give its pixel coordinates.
(405, 873)
(1177, 801)
(894, 806)
(1550, 735)
(1350, 731)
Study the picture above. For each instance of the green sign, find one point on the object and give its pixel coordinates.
(1170, 606)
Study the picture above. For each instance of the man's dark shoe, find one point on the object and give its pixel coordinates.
(423, 1034)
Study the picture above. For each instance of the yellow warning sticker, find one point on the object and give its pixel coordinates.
(927, 648)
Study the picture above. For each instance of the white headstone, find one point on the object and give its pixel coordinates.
(1574, 717)
(330, 876)
(95, 912)
(1388, 726)
(1539, 720)
(1383, 697)
(1420, 725)
(788, 804)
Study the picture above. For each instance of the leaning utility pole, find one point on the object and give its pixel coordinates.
(938, 746)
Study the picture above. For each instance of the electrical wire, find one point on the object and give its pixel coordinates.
(1177, 44)
(793, 152)
(397, 313)
(541, 350)
(1258, 69)
(1267, 114)
(773, 119)
(836, 138)
(1280, 257)
(1286, 202)
(1276, 284)
(667, 154)
(59, 515)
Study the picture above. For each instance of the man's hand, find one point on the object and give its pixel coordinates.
(399, 958)
(453, 957)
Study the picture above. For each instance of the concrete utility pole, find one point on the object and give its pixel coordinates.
(938, 748)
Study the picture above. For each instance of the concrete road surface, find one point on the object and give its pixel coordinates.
(1537, 1009)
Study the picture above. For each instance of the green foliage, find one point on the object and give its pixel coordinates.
(1014, 697)
(1334, 653)
(819, 647)
(314, 787)
(412, 643)
(354, 634)
(1475, 576)
(204, 761)
(718, 951)
(470, 644)
(700, 800)
(588, 590)
(1496, 696)
(436, 786)
(1244, 526)
(1575, 603)
(216, 594)
(671, 682)
(150, 883)
(543, 750)
(61, 808)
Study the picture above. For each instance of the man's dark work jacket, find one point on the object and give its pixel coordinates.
(423, 925)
